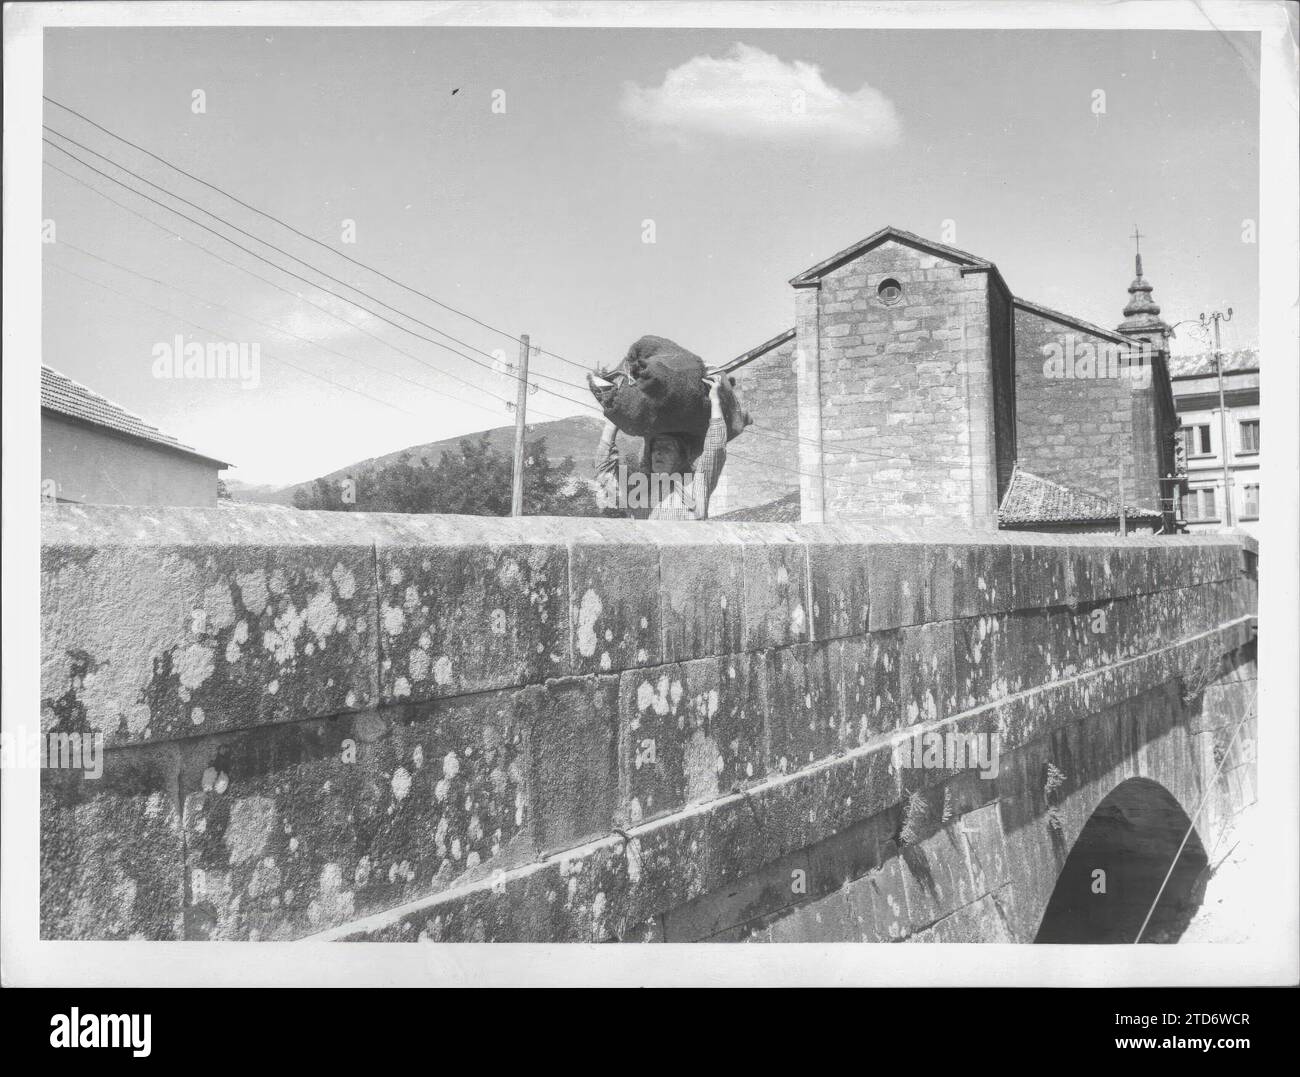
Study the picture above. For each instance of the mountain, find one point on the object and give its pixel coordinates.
(575, 436)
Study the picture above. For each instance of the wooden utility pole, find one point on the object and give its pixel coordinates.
(1217, 317)
(1123, 515)
(521, 407)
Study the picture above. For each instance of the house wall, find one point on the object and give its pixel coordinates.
(84, 465)
(1197, 403)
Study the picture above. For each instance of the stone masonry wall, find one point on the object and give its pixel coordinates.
(1081, 431)
(392, 727)
(763, 464)
(1002, 348)
(896, 411)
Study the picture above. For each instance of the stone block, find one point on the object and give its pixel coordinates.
(111, 857)
(702, 601)
(777, 610)
(803, 700)
(291, 830)
(455, 619)
(574, 748)
(148, 639)
(614, 608)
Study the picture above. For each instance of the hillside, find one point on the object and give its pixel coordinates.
(575, 436)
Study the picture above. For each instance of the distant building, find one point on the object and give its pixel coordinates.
(916, 387)
(1200, 449)
(94, 452)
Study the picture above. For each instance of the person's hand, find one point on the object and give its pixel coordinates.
(714, 382)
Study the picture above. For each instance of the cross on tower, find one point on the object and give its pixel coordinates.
(1137, 238)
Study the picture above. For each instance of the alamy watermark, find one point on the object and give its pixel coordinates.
(641, 490)
(1078, 359)
(213, 361)
(950, 751)
(25, 747)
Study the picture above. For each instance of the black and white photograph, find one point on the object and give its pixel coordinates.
(763, 482)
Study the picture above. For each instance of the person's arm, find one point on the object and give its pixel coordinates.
(708, 468)
(606, 464)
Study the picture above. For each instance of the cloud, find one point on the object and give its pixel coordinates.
(749, 93)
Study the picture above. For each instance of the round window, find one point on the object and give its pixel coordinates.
(889, 290)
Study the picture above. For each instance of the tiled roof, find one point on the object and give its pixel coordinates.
(784, 510)
(1031, 499)
(1190, 366)
(61, 394)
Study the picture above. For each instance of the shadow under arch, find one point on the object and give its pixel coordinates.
(1132, 838)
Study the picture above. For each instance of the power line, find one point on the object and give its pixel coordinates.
(279, 287)
(329, 381)
(278, 250)
(206, 329)
(764, 431)
(278, 329)
(345, 284)
(298, 232)
(341, 254)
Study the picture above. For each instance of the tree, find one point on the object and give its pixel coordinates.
(472, 480)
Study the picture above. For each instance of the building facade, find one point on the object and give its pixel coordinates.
(94, 452)
(915, 386)
(1201, 451)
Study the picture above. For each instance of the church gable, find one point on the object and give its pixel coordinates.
(888, 237)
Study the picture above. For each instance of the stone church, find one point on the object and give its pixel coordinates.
(916, 387)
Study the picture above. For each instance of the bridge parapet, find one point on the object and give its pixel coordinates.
(372, 725)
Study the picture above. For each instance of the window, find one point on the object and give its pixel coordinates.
(889, 290)
(1196, 440)
(1250, 510)
(1200, 504)
(1250, 435)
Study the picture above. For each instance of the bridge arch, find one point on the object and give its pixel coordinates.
(1114, 871)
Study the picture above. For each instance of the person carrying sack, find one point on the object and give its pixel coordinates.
(678, 472)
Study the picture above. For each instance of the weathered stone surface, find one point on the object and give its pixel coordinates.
(614, 608)
(457, 619)
(147, 638)
(869, 678)
(688, 732)
(573, 732)
(927, 673)
(777, 609)
(980, 660)
(294, 829)
(902, 586)
(840, 592)
(111, 851)
(803, 694)
(702, 601)
(479, 801)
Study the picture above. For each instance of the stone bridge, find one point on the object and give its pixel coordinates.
(380, 727)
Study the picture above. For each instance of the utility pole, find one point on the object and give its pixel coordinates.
(521, 407)
(1217, 317)
(1123, 516)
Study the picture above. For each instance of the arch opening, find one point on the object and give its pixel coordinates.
(1113, 874)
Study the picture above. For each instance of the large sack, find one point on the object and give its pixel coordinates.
(659, 389)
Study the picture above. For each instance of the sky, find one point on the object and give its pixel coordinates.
(525, 199)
